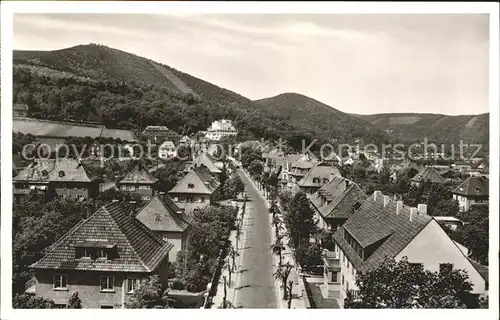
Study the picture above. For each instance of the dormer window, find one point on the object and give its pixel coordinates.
(95, 250)
(103, 254)
(87, 253)
(45, 173)
(61, 173)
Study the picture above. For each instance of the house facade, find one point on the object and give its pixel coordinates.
(195, 191)
(162, 216)
(474, 190)
(103, 258)
(383, 228)
(220, 129)
(159, 134)
(63, 178)
(319, 175)
(167, 150)
(138, 180)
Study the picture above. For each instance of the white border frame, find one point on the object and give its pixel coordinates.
(187, 7)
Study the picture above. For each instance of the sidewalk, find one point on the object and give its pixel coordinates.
(230, 287)
(298, 301)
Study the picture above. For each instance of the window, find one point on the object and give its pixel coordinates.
(334, 277)
(144, 187)
(107, 283)
(103, 254)
(190, 186)
(60, 282)
(342, 279)
(182, 199)
(106, 307)
(347, 285)
(445, 267)
(132, 284)
(61, 173)
(87, 253)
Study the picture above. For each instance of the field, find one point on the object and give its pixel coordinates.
(60, 129)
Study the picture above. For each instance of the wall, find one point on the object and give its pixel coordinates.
(432, 246)
(175, 238)
(87, 284)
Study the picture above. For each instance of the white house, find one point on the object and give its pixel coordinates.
(381, 228)
(167, 150)
(219, 129)
(474, 190)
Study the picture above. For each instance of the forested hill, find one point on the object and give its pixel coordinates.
(437, 127)
(122, 90)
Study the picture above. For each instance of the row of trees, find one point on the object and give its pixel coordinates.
(27, 301)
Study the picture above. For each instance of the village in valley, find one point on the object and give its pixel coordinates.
(139, 186)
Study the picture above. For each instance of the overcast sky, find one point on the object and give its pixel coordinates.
(355, 63)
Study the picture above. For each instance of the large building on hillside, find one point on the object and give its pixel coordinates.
(159, 134)
(382, 228)
(335, 202)
(138, 180)
(196, 190)
(220, 129)
(473, 191)
(162, 216)
(63, 178)
(103, 258)
(317, 176)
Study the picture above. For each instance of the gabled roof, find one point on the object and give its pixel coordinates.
(162, 214)
(428, 174)
(321, 171)
(206, 160)
(50, 170)
(337, 198)
(473, 186)
(200, 178)
(305, 163)
(372, 224)
(138, 174)
(138, 248)
(292, 159)
(167, 144)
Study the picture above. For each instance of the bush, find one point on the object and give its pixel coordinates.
(178, 284)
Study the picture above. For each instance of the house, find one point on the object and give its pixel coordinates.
(299, 169)
(104, 257)
(158, 134)
(186, 141)
(271, 156)
(289, 163)
(95, 149)
(474, 190)
(316, 177)
(196, 190)
(383, 228)
(20, 110)
(220, 129)
(427, 175)
(162, 216)
(167, 150)
(63, 178)
(204, 159)
(409, 169)
(138, 180)
(335, 202)
(451, 222)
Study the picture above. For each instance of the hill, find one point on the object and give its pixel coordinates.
(411, 127)
(125, 91)
(305, 111)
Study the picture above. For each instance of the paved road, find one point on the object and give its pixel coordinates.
(255, 286)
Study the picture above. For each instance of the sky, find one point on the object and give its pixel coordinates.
(365, 64)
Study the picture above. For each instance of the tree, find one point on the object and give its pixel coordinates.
(400, 285)
(277, 247)
(282, 274)
(285, 198)
(290, 295)
(150, 295)
(310, 256)
(475, 232)
(74, 301)
(26, 301)
(234, 186)
(300, 222)
(256, 168)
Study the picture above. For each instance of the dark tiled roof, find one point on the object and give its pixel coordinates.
(374, 224)
(162, 214)
(206, 160)
(138, 174)
(473, 186)
(321, 171)
(202, 180)
(337, 198)
(428, 174)
(138, 248)
(49, 170)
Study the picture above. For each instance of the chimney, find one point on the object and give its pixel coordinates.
(386, 201)
(346, 183)
(422, 208)
(87, 211)
(399, 206)
(413, 213)
(377, 194)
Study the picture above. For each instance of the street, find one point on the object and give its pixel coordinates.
(255, 286)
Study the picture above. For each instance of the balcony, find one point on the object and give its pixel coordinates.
(331, 259)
